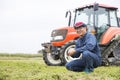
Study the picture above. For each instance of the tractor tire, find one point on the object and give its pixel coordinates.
(116, 52)
(50, 61)
(65, 48)
(111, 55)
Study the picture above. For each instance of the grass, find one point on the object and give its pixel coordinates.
(36, 69)
(20, 55)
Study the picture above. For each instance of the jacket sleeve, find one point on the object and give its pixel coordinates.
(90, 44)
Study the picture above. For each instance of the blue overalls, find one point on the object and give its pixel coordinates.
(91, 57)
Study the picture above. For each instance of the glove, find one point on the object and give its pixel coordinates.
(80, 57)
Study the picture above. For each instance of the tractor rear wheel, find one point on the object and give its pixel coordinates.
(111, 55)
(51, 60)
(116, 52)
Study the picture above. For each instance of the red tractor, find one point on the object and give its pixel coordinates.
(101, 20)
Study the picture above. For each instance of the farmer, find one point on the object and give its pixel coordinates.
(86, 49)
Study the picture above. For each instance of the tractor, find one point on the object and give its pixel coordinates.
(101, 20)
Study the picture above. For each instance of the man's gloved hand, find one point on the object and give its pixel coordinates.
(80, 57)
(71, 51)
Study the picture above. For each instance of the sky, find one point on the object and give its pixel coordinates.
(25, 24)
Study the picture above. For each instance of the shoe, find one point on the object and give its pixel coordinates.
(87, 71)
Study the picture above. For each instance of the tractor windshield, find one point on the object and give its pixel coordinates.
(106, 17)
(99, 18)
(85, 15)
(113, 18)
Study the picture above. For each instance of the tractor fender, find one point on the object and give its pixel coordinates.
(111, 34)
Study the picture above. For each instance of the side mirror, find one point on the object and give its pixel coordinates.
(66, 14)
(69, 17)
(96, 5)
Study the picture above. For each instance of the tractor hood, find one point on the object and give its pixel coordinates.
(62, 35)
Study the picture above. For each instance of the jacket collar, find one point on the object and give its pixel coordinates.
(84, 35)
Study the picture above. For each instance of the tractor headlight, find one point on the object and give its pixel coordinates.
(58, 37)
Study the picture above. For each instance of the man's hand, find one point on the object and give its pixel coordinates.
(71, 51)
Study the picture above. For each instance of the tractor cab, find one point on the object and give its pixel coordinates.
(98, 18)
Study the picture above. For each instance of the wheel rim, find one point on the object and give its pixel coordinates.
(52, 60)
(68, 58)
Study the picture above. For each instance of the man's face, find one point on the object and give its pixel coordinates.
(81, 31)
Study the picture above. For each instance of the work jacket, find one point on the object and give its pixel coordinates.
(87, 43)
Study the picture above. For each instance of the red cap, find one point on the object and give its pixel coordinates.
(79, 24)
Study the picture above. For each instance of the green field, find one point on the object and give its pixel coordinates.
(32, 67)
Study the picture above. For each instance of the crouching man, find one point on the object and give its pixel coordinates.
(88, 50)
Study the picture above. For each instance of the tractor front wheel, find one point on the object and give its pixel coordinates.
(64, 50)
(51, 60)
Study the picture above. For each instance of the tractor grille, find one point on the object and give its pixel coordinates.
(58, 35)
